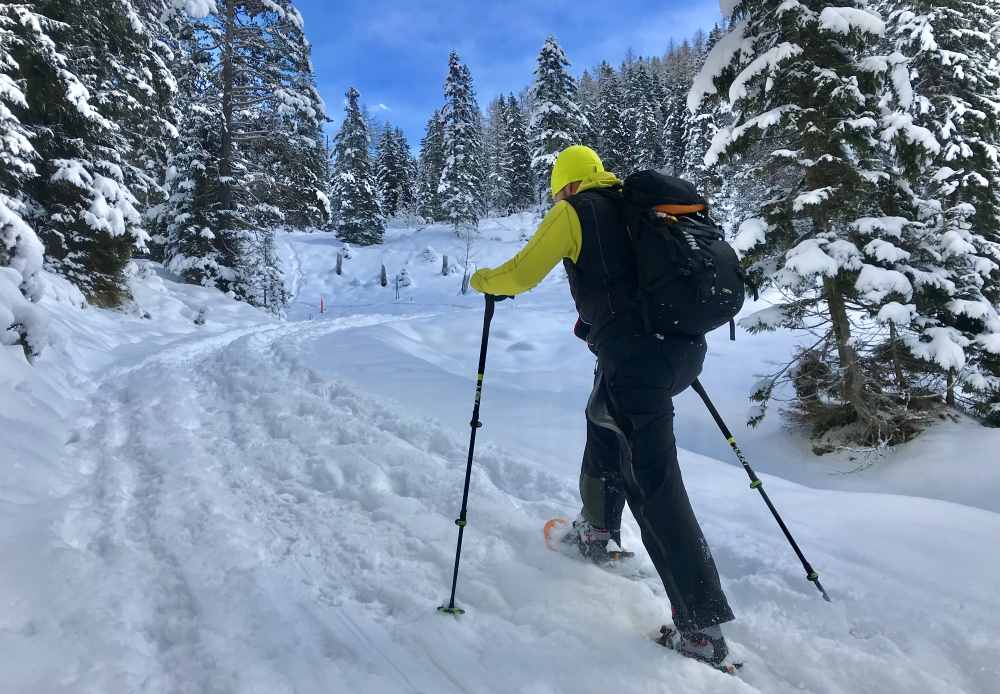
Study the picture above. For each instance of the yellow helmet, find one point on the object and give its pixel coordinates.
(574, 164)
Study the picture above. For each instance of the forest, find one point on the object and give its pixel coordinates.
(850, 151)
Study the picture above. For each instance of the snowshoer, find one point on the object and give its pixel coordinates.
(631, 453)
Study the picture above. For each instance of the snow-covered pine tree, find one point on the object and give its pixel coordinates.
(360, 220)
(615, 134)
(408, 198)
(588, 96)
(680, 68)
(88, 82)
(199, 244)
(290, 152)
(556, 120)
(395, 173)
(517, 160)
(431, 164)
(496, 143)
(643, 115)
(701, 126)
(462, 184)
(388, 172)
(951, 47)
(21, 252)
(801, 75)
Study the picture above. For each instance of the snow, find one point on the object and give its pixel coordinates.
(885, 251)
(876, 283)
(751, 232)
(812, 198)
(725, 137)
(765, 63)
(942, 346)
(844, 20)
(872, 226)
(196, 8)
(254, 505)
(718, 59)
(809, 259)
(899, 314)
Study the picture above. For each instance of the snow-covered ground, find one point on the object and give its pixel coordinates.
(255, 505)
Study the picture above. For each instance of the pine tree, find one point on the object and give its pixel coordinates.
(804, 78)
(497, 142)
(21, 252)
(199, 244)
(461, 186)
(289, 152)
(954, 326)
(556, 120)
(681, 66)
(360, 220)
(643, 114)
(387, 172)
(395, 173)
(431, 166)
(615, 135)
(700, 130)
(517, 160)
(92, 83)
(588, 96)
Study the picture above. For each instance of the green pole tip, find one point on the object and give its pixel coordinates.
(756, 484)
(813, 576)
(456, 611)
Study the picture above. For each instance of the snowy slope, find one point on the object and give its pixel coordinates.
(262, 506)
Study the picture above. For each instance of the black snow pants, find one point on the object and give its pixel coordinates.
(631, 454)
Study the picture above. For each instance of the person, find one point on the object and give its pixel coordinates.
(630, 453)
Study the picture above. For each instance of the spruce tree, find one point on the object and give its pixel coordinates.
(804, 77)
(556, 120)
(21, 252)
(700, 129)
(199, 244)
(517, 160)
(462, 188)
(360, 220)
(615, 134)
(588, 96)
(431, 164)
(93, 86)
(681, 66)
(497, 141)
(395, 175)
(643, 115)
(954, 258)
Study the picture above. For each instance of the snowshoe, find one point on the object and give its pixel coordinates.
(709, 648)
(582, 539)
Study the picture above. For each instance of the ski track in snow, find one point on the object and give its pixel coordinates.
(248, 524)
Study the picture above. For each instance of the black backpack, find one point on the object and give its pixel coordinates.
(690, 280)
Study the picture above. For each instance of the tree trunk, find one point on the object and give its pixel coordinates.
(340, 263)
(950, 396)
(853, 380)
(228, 87)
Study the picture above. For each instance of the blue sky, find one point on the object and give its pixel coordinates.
(396, 53)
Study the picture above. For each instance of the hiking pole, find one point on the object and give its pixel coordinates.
(755, 483)
(476, 425)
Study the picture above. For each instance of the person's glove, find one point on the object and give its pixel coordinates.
(581, 329)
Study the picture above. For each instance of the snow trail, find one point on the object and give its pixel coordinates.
(269, 507)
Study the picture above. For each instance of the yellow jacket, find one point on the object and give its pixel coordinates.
(558, 236)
